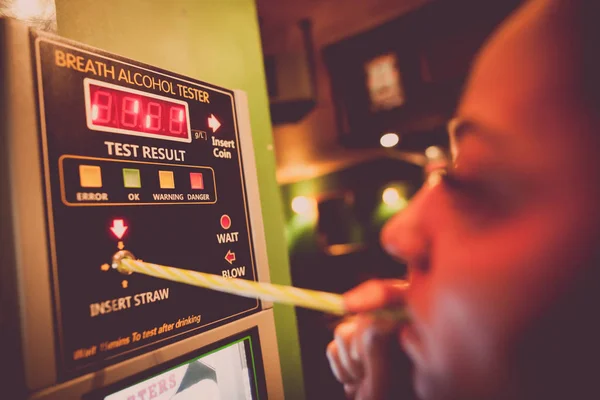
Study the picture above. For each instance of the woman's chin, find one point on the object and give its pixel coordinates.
(411, 343)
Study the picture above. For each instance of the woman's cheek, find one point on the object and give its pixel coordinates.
(466, 344)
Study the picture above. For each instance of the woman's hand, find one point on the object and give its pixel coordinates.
(364, 355)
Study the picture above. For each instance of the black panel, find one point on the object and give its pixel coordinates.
(176, 222)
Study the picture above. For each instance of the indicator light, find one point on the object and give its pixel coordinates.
(118, 228)
(213, 123)
(131, 178)
(225, 221)
(90, 176)
(166, 179)
(230, 257)
(389, 140)
(197, 180)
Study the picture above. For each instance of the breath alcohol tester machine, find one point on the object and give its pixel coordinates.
(101, 155)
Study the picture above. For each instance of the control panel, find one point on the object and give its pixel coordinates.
(139, 159)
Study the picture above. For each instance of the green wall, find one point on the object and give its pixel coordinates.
(217, 41)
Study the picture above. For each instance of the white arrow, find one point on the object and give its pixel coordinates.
(213, 123)
(118, 228)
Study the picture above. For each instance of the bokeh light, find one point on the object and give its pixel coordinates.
(389, 140)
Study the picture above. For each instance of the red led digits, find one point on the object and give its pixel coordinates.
(176, 120)
(153, 116)
(102, 107)
(131, 111)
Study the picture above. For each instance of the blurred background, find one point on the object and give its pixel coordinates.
(359, 93)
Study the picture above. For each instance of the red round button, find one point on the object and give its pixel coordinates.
(225, 221)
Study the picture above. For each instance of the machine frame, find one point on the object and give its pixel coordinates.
(26, 303)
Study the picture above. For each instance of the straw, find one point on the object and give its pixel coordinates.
(321, 301)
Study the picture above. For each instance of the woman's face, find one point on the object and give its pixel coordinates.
(495, 251)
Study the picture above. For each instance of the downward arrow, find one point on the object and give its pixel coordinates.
(213, 123)
(118, 228)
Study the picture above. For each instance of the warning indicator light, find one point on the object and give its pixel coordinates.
(225, 221)
(118, 228)
(166, 179)
(197, 180)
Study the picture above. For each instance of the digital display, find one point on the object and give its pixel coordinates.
(116, 109)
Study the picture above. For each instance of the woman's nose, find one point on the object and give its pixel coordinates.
(405, 237)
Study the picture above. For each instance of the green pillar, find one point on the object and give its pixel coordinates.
(217, 41)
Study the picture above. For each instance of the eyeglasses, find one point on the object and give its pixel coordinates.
(439, 161)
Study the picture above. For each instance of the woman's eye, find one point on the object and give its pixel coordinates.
(464, 188)
(479, 200)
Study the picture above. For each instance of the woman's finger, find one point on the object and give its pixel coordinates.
(345, 337)
(340, 373)
(375, 294)
(350, 389)
(376, 346)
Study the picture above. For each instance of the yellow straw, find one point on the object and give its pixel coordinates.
(322, 301)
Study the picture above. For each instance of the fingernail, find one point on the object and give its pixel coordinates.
(353, 301)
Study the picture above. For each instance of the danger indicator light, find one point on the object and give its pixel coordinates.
(197, 180)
